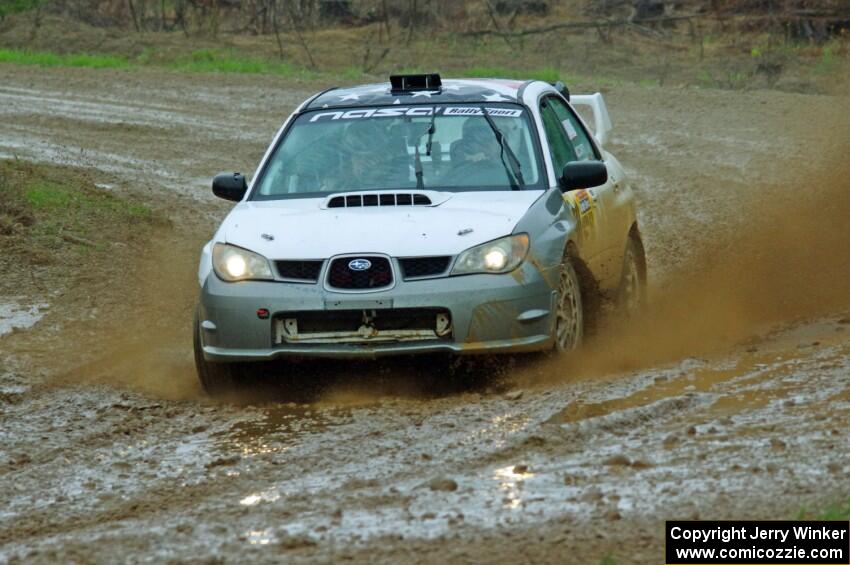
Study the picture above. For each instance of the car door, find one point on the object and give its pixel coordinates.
(583, 202)
(606, 207)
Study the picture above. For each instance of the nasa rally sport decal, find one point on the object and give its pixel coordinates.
(418, 111)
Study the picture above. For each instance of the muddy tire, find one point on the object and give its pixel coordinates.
(569, 313)
(216, 378)
(631, 294)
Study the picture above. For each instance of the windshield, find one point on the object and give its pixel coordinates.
(441, 147)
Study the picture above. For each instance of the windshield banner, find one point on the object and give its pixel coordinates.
(415, 111)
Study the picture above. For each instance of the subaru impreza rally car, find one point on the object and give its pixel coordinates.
(419, 215)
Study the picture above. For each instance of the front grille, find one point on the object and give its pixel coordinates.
(414, 267)
(382, 199)
(378, 275)
(299, 270)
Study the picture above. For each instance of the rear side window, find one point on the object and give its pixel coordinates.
(579, 140)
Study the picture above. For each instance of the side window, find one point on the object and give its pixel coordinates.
(559, 147)
(575, 131)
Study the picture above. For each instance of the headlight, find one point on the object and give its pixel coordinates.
(233, 264)
(498, 256)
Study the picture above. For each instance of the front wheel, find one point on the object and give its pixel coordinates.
(569, 317)
(216, 378)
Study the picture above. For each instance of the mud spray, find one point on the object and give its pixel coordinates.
(787, 259)
(147, 344)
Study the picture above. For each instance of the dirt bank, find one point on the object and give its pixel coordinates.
(108, 449)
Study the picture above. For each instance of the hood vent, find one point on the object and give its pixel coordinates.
(366, 199)
(357, 200)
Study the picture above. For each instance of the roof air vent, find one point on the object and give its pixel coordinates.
(413, 83)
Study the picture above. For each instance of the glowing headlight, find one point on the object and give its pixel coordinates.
(499, 256)
(233, 264)
(495, 260)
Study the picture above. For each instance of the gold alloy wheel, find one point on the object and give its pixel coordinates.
(569, 322)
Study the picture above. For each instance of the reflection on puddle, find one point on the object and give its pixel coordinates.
(259, 537)
(275, 430)
(269, 495)
(510, 480)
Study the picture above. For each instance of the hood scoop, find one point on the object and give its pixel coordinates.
(385, 198)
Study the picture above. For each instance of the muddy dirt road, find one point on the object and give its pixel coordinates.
(108, 449)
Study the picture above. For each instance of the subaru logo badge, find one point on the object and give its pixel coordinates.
(359, 264)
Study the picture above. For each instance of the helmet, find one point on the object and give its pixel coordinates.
(363, 136)
(477, 138)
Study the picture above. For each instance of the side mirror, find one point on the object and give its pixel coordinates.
(230, 186)
(583, 174)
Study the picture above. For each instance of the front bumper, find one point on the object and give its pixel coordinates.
(489, 314)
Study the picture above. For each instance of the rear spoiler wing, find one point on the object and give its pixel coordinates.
(601, 120)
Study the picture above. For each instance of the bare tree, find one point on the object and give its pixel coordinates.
(298, 22)
(134, 16)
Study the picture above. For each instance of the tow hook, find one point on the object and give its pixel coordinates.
(444, 325)
(366, 329)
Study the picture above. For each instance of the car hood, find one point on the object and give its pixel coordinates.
(303, 229)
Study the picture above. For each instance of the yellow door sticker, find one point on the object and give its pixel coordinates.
(582, 204)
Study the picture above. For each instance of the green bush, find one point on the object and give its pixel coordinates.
(14, 6)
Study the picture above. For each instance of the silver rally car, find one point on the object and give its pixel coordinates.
(420, 215)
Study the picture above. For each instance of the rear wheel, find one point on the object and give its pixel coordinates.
(216, 378)
(631, 295)
(569, 316)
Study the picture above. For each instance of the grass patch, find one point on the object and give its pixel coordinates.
(229, 62)
(199, 61)
(51, 197)
(46, 59)
(212, 61)
(46, 211)
(840, 512)
(827, 64)
(42, 195)
(837, 512)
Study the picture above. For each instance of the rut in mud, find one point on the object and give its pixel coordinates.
(730, 399)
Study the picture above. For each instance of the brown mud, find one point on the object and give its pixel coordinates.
(728, 400)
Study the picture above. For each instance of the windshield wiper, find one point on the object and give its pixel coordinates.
(431, 129)
(515, 169)
(417, 165)
(417, 159)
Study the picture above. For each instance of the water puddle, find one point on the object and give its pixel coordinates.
(14, 316)
(276, 430)
(744, 376)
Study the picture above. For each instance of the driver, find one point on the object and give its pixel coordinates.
(359, 157)
(476, 157)
(367, 156)
(477, 143)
